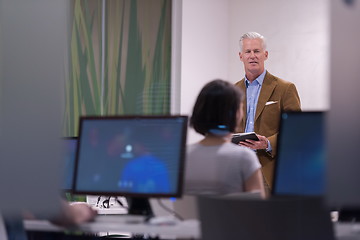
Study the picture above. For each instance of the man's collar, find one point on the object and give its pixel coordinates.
(259, 79)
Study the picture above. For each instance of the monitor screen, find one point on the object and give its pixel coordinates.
(301, 155)
(69, 144)
(139, 156)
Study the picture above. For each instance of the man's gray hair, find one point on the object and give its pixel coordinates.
(252, 35)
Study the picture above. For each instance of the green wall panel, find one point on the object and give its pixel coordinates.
(136, 58)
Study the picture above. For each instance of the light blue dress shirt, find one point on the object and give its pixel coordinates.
(252, 95)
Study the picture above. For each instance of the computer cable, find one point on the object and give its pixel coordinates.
(98, 200)
(177, 215)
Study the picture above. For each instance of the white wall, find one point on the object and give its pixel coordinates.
(297, 37)
(205, 48)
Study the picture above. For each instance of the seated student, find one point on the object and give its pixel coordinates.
(215, 165)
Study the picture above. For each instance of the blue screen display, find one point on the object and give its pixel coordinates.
(301, 154)
(131, 155)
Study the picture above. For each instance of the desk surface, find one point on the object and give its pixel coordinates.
(182, 229)
(347, 231)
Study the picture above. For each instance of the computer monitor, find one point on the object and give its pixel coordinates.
(301, 155)
(69, 151)
(133, 156)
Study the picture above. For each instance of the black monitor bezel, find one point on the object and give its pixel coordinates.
(179, 190)
(278, 146)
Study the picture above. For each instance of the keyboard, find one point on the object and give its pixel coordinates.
(121, 218)
(110, 211)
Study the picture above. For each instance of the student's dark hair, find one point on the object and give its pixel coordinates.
(216, 107)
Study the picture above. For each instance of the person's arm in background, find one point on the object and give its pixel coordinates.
(75, 214)
(72, 214)
(255, 183)
(251, 170)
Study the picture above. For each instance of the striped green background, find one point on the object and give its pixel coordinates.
(136, 58)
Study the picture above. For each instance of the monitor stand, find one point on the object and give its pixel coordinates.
(139, 206)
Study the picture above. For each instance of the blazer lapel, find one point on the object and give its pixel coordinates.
(243, 121)
(266, 90)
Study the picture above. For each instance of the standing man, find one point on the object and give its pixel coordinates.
(266, 97)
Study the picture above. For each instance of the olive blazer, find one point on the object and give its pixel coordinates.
(276, 95)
